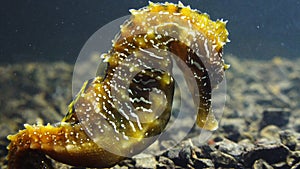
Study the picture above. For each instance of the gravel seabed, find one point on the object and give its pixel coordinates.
(260, 126)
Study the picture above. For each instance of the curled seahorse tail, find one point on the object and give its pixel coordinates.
(28, 148)
(23, 155)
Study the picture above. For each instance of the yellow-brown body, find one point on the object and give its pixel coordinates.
(98, 131)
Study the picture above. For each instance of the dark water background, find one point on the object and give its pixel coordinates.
(40, 30)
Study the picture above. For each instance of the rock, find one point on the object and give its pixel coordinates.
(271, 153)
(246, 144)
(165, 163)
(275, 116)
(230, 147)
(203, 163)
(293, 158)
(182, 156)
(264, 141)
(173, 154)
(130, 163)
(281, 165)
(185, 154)
(232, 128)
(148, 161)
(261, 164)
(296, 166)
(297, 124)
(118, 167)
(289, 139)
(203, 151)
(242, 125)
(221, 159)
(166, 144)
(270, 132)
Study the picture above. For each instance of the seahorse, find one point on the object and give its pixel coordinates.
(120, 114)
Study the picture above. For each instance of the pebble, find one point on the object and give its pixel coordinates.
(296, 166)
(271, 153)
(261, 164)
(203, 163)
(146, 162)
(281, 165)
(232, 128)
(270, 132)
(293, 158)
(173, 154)
(204, 151)
(289, 139)
(297, 124)
(230, 147)
(246, 144)
(165, 163)
(266, 145)
(185, 154)
(129, 163)
(181, 156)
(223, 160)
(275, 116)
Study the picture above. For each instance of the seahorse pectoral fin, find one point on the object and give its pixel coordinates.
(207, 120)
